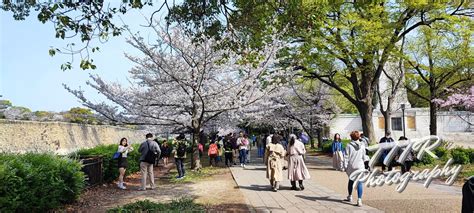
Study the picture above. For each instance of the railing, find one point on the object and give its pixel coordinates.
(92, 168)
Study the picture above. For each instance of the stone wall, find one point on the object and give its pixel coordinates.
(59, 137)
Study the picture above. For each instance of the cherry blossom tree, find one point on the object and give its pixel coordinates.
(180, 85)
(298, 103)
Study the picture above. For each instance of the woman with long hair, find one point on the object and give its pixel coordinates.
(337, 151)
(124, 148)
(274, 154)
(297, 170)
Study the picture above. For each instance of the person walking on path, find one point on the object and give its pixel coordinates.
(261, 146)
(220, 146)
(179, 153)
(212, 152)
(337, 151)
(354, 161)
(149, 150)
(242, 142)
(165, 152)
(124, 148)
(274, 154)
(228, 152)
(297, 170)
(387, 139)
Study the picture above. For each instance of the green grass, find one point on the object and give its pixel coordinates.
(194, 176)
(179, 205)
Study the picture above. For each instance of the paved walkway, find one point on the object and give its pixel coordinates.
(254, 185)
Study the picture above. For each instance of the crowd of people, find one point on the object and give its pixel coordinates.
(277, 152)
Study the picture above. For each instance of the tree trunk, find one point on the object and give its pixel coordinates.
(433, 118)
(365, 111)
(311, 141)
(320, 138)
(387, 115)
(195, 160)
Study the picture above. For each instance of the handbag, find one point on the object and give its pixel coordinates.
(150, 156)
(117, 155)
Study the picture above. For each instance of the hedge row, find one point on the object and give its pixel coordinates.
(38, 182)
(110, 171)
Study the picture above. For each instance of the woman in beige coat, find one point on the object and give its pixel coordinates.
(297, 170)
(274, 154)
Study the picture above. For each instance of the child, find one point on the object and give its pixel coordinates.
(213, 151)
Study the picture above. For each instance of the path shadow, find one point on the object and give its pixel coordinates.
(325, 198)
(256, 168)
(257, 187)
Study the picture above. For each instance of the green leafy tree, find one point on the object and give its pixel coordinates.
(440, 62)
(80, 115)
(344, 44)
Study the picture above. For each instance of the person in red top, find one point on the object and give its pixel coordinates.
(213, 151)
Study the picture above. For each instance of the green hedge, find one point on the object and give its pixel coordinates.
(110, 172)
(38, 182)
(462, 156)
(181, 205)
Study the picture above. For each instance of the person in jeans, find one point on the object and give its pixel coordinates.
(242, 142)
(354, 161)
(124, 148)
(387, 139)
(179, 152)
(146, 168)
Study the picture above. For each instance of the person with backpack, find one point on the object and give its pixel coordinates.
(149, 150)
(353, 162)
(180, 155)
(212, 152)
(274, 155)
(228, 152)
(124, 148)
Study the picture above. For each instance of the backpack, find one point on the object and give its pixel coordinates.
(213, 149)
(150, 156)
(181, 150)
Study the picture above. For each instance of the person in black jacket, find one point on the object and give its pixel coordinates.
(387, 139)
(468, 196)
(228, 151)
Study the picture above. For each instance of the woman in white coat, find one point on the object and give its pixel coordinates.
(297, 170)
(354, 161)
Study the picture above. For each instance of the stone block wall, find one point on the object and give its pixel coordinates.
(59, 137)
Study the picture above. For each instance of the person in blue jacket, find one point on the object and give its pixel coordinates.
(337, 150)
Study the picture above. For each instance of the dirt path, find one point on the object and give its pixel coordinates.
(217, 193)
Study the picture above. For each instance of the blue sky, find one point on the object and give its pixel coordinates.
(31, 78)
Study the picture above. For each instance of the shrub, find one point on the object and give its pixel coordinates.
(180, 205)
(471, 156)
(441, 152)
(110, 170)
(461, 156)
(426, 160)
(38, 182)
